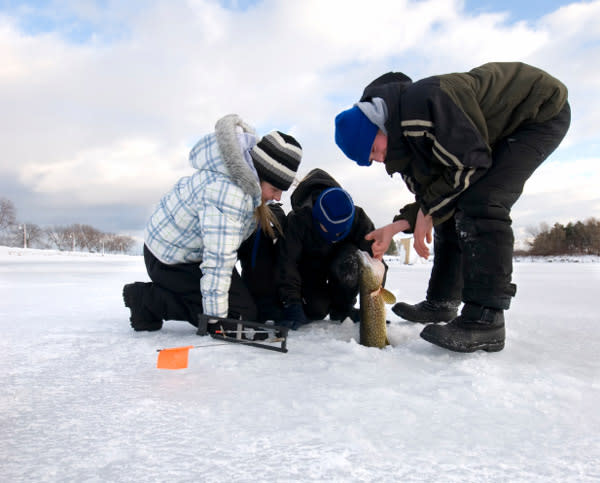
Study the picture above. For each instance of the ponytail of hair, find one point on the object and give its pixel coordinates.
(267, 221)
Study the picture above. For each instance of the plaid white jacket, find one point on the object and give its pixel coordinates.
(207, 215)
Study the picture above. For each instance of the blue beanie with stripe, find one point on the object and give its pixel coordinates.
(333, 214)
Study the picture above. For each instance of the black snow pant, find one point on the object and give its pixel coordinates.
(473, 250)
(174, 293)
(333, 289)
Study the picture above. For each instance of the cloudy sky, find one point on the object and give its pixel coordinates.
(102, 100)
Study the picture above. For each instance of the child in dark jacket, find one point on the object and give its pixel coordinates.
(465, 144)
(318, 264)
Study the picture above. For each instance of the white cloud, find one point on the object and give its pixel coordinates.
(579, 177)
(134, 169)
(573, 41)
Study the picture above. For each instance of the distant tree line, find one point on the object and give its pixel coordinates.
(580, 238)
(75, 237)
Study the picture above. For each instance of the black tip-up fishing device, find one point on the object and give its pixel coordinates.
(265, 336)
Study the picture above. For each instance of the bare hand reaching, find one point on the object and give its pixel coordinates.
(423, 231)
(383, 237)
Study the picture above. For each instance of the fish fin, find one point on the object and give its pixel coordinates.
(388, 297)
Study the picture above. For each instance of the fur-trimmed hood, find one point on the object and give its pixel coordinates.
(236, 167)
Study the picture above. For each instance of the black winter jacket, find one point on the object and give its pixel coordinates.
(302, 249)
(258, 258)
(442, 129)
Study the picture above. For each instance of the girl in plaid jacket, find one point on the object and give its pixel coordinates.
(192, 238)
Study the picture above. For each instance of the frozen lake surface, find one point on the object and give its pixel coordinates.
(82, 400)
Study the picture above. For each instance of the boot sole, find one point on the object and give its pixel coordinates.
(495, 346)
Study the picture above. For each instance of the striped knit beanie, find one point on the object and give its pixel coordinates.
(276, 158)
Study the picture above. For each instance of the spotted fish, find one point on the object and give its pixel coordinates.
(373, 298)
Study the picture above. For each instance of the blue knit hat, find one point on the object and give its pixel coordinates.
(354, 134)
(333, 214)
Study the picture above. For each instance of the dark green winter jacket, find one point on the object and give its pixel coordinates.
(442, 129)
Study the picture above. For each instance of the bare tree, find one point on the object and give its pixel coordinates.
(69, 237)
(7, 214)
(118, 243)
(90, 238)
(61, 237)
(87, 238)
(27, 235)
(36, 236)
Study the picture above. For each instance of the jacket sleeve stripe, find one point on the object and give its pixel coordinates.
(443, 203)
(409, 182)
(462, 180)
(416, 122)
(441, 153)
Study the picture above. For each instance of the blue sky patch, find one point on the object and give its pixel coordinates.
(75, 25)
(519, 10)
(241, 5)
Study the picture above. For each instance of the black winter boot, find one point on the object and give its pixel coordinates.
(477, 328)
(427, 311)
(141, 318)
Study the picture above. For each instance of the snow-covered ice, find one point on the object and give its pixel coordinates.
(82, 400)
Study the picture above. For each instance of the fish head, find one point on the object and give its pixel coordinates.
(372, 271)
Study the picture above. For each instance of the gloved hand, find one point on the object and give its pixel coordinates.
(293, 316)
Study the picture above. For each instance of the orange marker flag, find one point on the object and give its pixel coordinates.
(173, 358)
